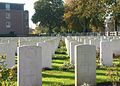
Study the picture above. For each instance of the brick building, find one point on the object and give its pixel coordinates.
(13, 19)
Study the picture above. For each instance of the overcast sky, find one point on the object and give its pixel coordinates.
(28, 6)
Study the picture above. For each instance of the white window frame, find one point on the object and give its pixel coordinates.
(7, 15)
(7, 6)
(8, 24)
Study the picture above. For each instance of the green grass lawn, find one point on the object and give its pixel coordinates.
(60, 77)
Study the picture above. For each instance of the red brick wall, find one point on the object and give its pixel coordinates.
(17, 22)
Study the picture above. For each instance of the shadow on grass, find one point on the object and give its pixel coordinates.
(51, 83)
(101, 74)
(60, 58)
(100, 80)
(104, 84)
(70, 85)
(61, 52)
(57, 76)
(101, 68)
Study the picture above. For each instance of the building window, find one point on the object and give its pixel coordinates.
(26, 16)
(26, 25)
(8, 24)
(7, 6)
(7, 15)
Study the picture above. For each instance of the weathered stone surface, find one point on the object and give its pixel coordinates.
(85, 64)
(46, 54)
(30, 66)
(72, 51)
(106, 57)
(9, 49)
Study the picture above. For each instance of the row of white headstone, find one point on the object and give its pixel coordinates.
(82, 52)
(106, 46)
(8, 46)
(33, 55)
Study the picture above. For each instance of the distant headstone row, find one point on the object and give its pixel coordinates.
(103, 44)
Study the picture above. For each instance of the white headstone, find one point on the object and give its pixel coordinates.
(72, 51)
(30, 66)
(54, 44)
(86, 40)
(9, 50)
(67, 42)
(46, 54)
(85, 65)
(115, 46)
(106, 55)
(81, 40)
(95, 42)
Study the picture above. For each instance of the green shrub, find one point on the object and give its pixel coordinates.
(61, 43)
(113, 74)
(66, 66)
(8, 76)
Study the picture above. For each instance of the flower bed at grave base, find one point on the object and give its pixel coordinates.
(8, 76)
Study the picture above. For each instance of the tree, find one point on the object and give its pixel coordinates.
(48, 13)
(37, 30)
(40, 30)
(114, 8)
(82, 15)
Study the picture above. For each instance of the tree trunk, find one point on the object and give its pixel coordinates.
(50, 31)
(115, 24)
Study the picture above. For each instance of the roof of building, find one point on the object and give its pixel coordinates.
(12, 3)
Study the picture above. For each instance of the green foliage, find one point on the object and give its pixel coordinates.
(82, 15)
(61, 48)
(113, 73)
(37, 30)
(60, 56)
(48, 13)
(76, 16)
(8, 77)
(67, 66)
(61, 44)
